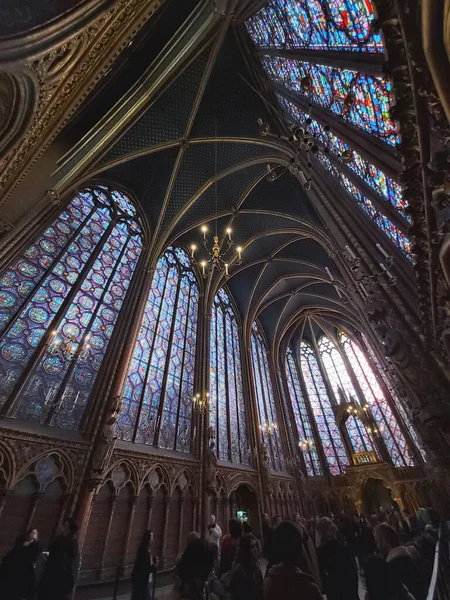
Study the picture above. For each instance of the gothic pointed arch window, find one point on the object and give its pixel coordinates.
(227, 410)
(59, 305)
(307, 443)
(265, 399)
(157, 395)
(360, 434)
(389, 425)
(398, 403)
(319, 96)
(322, 408)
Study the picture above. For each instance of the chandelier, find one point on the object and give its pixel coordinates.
(219, 257)
(220, 254)
(200, 402)
(64, 345)
(268, 428)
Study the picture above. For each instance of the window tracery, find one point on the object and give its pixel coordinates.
(332, 88)
(266, 401)
(227, 411)
(307, 443)
(316, 25)
(157, 395)
(359, 435)
(333, 445)
(59, 303)
(388, 425)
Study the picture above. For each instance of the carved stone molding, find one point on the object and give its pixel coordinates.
(65, 75)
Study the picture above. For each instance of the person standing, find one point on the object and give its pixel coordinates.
(214, 533)
(144, 567)
(193, 571)
(17, 569)
(245, 581)
(287, 580)
(337, 569)
(230, 545)
(60, 571)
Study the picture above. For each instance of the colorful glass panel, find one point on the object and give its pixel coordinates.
(383, 416)
(316, 25)
(227, 416)
(360, 436)
(82, 264)
(386, 188)
(266, 401)
(322, 408)
(307, 443)
(157, 395)
(362, 100)
(397, 402)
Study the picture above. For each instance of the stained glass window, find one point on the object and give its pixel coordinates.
(362, 100)
(266, 401)
(333, 445)
(227, 412)
(360, 434)
(59, 303)
(386, 188)
(316, 25)
(388, 425)
(307, 442)
(157, 395)
(397, 402)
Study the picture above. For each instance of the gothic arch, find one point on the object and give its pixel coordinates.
(46, 468)
(156, 477)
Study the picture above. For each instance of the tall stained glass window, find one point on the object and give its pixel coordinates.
(59, 304)
(397, 402)
(333, 445)
(227, 412)
(360, 435)
(265, 399)
(316, 25)
(387, 423)
(307, 443)
(157, 395)
(362, 100)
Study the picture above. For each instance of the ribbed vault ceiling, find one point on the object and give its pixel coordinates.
(167, 159)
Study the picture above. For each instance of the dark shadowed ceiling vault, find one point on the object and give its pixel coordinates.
(159, 142)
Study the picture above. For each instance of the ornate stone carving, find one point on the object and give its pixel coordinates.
(105, 441)
(65, 76)
(211, 468)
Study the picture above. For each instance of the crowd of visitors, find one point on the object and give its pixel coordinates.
(386, 557)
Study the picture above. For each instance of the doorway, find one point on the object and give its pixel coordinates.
(244, 505)
(376, 495)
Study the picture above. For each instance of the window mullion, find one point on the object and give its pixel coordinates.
(150, 356)
(162, 398)
(36, 357)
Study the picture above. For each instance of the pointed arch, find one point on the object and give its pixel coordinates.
(157, 395)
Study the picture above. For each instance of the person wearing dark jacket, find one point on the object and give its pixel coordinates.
(245, 581)
(60, 571)
(230, 544)
(144, 566)
(400, 560)
(286, 580)
(17, 569)
(337, 569)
